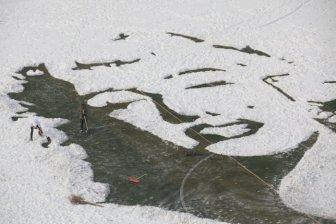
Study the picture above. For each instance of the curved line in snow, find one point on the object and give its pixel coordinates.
(286, 15)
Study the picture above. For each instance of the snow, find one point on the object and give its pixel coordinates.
(34, 73)
(58, 33)
(228, 131)
(309, 178)
(332, 119)
(35, 122)
(282, 139)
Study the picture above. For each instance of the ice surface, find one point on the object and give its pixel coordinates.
(36, 182)
(299, 36)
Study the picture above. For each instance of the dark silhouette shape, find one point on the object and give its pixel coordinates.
(275, 87)
(122, 36)
(240, 64)
(246, 49)
(168, 77)
(197, 40)
(211, 84)
(212, 114)
(82, 66)
(201, 70)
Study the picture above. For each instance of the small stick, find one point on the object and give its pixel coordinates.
(141, 176)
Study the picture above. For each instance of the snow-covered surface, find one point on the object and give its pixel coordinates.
(332, 119)
(34, 73)
(314, 176)
(276, 133)
(58, 33)
(228, 131)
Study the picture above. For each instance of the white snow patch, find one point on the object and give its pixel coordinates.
(324, 115)
(311, 186)
(332, 119)
(19, 76)
(228, 131)
(101, 100)
(143, 114)
(32, 72)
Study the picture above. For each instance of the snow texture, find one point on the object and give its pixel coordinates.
(298, 35)
(228, 131)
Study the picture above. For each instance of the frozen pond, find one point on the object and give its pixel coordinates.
(204, 184)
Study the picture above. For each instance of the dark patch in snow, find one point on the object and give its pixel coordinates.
(212, 114)
(122, 36)
(81, 66)
(211, 84)
(168, 77)
(246, 49)
(284, 59)
(240, 64)
(15, 118)
(197, 40)
(47, 142)
(271, 77)
(201, 70)
(329, 106)
(330, 125)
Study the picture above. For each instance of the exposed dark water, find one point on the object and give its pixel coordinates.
(217, 188)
